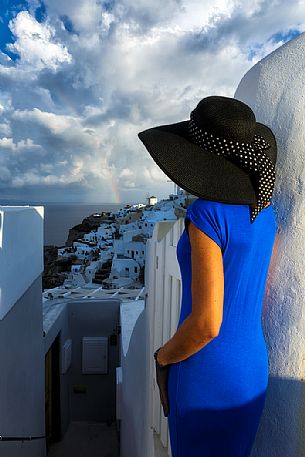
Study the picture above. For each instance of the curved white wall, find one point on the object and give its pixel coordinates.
(275, 90)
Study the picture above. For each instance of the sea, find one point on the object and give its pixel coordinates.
(60, 217)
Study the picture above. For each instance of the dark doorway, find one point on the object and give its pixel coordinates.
(52, 393)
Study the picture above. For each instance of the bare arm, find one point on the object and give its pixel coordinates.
(202, 325)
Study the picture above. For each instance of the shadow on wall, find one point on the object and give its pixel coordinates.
(278, 390)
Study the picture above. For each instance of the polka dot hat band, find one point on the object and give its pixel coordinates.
(249, 156)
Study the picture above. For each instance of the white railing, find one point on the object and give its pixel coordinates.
(163, 288)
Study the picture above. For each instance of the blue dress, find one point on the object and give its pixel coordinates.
(217, 395)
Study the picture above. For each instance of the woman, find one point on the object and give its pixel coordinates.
(213, 373)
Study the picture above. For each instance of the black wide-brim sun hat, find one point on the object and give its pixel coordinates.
(203, 173)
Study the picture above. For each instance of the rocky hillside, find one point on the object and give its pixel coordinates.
(52, 276)
(56, 270)
(88, 224)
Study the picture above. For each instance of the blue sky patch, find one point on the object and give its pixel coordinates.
(282, 36)
(108, 5)
(253, 51)
(275, 38)
(67, 23)
(41, 12)
(9, 10)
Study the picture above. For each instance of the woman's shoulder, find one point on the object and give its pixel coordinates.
(205, 204)
(207, 216)
(217, 210)
(204, 208)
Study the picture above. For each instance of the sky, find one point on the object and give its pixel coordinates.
(80, 78)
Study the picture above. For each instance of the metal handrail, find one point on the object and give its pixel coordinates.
(21, 438)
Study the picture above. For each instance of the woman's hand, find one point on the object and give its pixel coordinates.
(162, 380)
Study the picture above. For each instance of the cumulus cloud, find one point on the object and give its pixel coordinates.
(34, 43)
(92, 74)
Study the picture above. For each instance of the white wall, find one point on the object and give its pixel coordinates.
(21, 245)
(136, 438)
(22, 396)
(93, 317)
(22, 388)
(275, 90)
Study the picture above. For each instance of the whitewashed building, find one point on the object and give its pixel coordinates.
(82, 250)
(91, 236)
(77, 268)
(136, 251)
(132, 226)
(152, 200)
(75, 278)
(91, 269)
(66, 251)
(129, 234)
(105, 231)
(123, 267)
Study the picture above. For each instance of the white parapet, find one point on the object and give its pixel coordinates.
(21, 252)
(275, 90)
